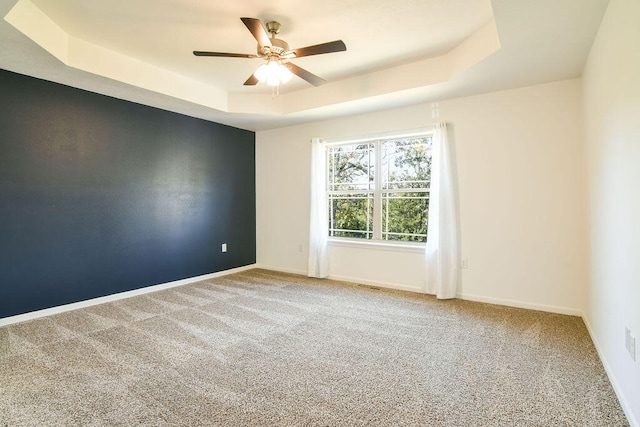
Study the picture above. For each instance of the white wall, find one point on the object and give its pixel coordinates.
(520, 167)
(612, 123)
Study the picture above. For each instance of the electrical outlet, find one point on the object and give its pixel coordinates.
(300, 247)
(627, 337)
(630, 343)
(464, 263)
(224, 247)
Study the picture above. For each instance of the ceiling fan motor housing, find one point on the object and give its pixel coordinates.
(278, 46)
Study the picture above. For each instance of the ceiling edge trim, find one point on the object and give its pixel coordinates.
(95, 59)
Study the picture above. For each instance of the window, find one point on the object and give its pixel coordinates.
(379, 189)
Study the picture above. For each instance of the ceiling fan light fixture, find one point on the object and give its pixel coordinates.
(285, 74)
(273, 73)
(261, 73)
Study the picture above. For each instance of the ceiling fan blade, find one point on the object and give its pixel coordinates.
(318, 49)
(224, 54)
(304, 74)
(251, 81)
(257, 29)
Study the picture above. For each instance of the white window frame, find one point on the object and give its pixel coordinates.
(377, 242)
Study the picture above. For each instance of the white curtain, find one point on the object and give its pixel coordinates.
(319, 217)
(442, 251)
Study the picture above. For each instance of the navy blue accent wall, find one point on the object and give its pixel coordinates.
(100, 195)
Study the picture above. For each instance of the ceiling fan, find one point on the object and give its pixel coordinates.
(278, 69)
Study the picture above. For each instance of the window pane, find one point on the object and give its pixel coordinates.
(404, 216)
(351, 215)
(406, 163)
(351, 167)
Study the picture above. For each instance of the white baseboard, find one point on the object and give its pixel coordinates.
(417, 289)
(626, 407)
(497, 301)
(122, 295)
(521, 304)
(355, 280)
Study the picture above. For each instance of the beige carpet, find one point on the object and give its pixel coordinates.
(261, 348)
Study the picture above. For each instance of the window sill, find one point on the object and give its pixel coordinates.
(377, 245)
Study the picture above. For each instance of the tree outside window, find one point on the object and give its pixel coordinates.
(379, 190)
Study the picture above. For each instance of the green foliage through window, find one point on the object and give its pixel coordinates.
(380, 189)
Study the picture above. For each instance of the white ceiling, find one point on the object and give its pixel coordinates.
(399, 52)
